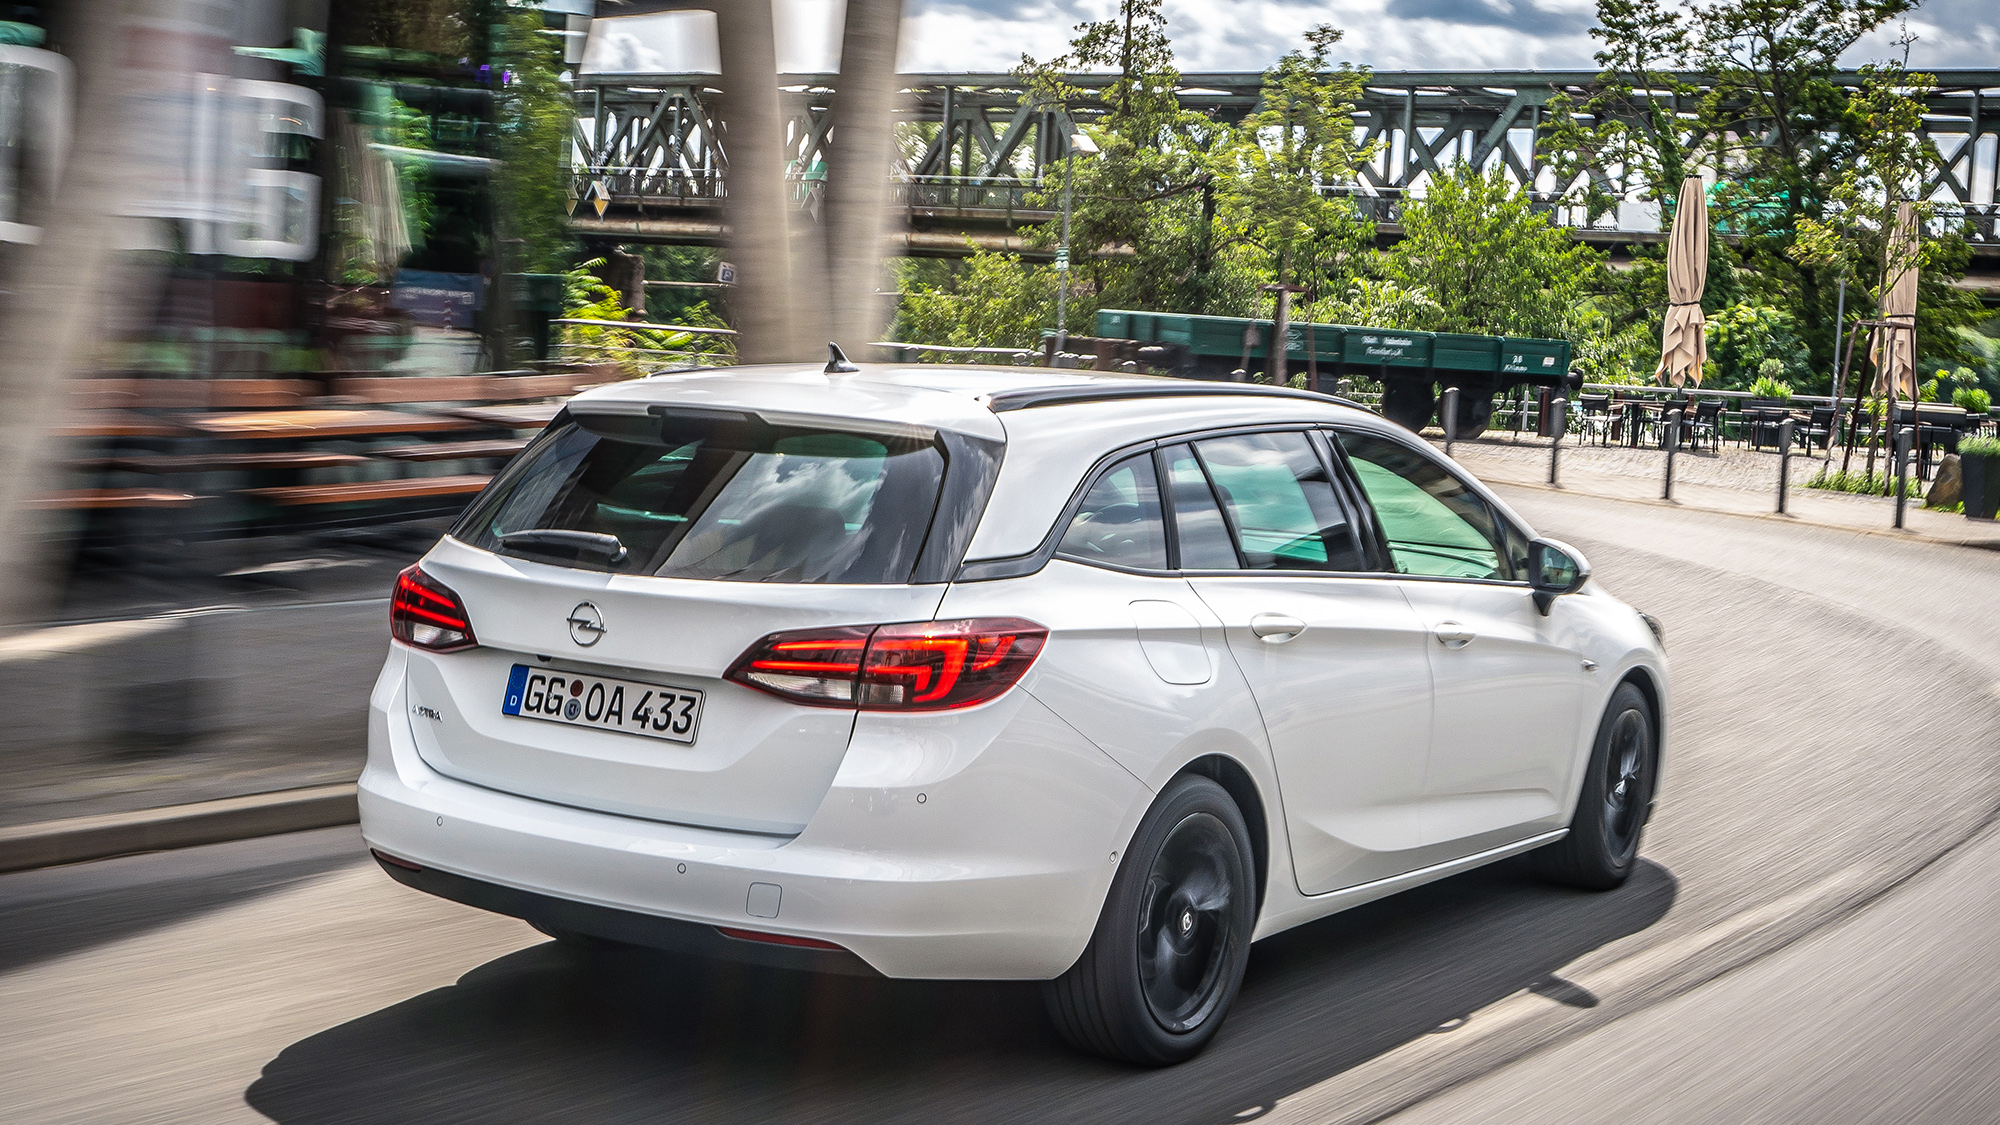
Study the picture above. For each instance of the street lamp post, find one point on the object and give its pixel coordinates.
(1078, 142)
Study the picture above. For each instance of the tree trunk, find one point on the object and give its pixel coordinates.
(627, 274)
(757, 209)
(55, 295)
(857, 200)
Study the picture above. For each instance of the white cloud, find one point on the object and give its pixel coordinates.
(1249, 35)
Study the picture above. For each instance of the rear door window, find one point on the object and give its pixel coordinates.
(716, 499)
(1280, 502)
(1200, 535)
(1119, 521)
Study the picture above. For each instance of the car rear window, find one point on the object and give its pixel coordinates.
(727, 498)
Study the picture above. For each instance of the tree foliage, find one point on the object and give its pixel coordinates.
(1488, 261)
(537, 116)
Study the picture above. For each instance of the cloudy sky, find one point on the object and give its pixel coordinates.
(1234, 35)
(1385, 34)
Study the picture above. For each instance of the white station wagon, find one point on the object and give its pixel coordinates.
(953, 672)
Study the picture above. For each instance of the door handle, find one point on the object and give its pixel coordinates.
(1276, 628)
(1451, 634)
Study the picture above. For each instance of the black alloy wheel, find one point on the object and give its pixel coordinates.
(1616, 798)
(1168, 955)
(1185, 932)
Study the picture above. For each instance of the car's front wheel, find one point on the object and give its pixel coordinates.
(1617, 796)
(1167, 958)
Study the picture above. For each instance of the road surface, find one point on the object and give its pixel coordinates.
(1794, 947)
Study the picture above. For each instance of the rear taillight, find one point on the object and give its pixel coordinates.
(919, 666)
(425, 613)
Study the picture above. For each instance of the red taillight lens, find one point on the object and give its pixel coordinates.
(920, 666)
(425, 613)
(810, 665)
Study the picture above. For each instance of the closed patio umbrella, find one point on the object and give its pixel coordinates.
(1895, 348)
(1684, 340)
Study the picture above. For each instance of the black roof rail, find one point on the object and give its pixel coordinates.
(1108, 391)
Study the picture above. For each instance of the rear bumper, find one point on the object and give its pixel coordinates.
(651, 930)
(967, 845)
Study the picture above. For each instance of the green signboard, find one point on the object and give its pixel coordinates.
(1391, 349)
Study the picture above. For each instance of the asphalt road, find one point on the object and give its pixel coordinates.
(1794, 948)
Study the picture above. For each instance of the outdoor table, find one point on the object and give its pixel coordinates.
(527, 416)
(319, 423)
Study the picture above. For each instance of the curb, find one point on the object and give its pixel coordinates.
(1786, 518)
(82, 838)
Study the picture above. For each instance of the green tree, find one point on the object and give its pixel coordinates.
(1475, 247)
(1743, 338)
(1276, 169)
(1630, 119)
(988, 301)
(1148, 196)
(536, 115)
(1890, 161)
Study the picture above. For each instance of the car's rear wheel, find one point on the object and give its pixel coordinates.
(1617, 796)
(1167, 958)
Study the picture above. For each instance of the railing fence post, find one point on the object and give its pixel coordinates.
(1784, 462)
(1903, 438)
(1559, 421)
(1448, 414)
(1673, 446)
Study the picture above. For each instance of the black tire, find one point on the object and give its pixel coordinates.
(1186, 891)
(1409, 402)
(1617, 796)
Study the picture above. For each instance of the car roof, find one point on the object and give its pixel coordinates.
(962, 398)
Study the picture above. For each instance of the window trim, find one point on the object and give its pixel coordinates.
(971, 465)
(1422, 448)
(1346, 490)
(1151, 454)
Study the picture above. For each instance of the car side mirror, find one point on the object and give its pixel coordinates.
(1554, 569)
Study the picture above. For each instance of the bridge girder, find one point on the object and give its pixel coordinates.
(653, 146)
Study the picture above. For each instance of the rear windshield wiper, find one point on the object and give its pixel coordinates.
(577, 543)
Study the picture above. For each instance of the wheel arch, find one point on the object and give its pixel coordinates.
(1641, 677)
(1242, 788)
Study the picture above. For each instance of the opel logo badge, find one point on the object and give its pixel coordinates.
(586, 624)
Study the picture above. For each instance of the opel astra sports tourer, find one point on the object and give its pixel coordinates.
(950, 672)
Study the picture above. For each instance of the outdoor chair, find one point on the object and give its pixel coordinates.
(1818, 429)
(1705, 425)
(1762, 424)
(1593, 417)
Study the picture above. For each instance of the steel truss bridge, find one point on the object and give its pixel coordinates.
(653, 151)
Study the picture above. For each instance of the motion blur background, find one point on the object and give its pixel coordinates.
(277, 291)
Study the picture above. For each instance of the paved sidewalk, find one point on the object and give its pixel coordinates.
(1737, 482)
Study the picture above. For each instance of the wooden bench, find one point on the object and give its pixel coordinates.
(94, 499)
(223, 462)
(115, 424)
(361, 491)
(453, 450)
(463, 388)
(189, 394)
(323, 423)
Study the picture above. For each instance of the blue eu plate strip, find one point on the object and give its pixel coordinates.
(516, 683)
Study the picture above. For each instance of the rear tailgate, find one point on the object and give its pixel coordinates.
(755, 763)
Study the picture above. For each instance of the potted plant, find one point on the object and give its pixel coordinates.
(1770, 392)
(1979, 467)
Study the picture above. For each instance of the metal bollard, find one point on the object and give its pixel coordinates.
(1903, 437)
(1673, 447)
(1448, 414)
(1559, 421)
(1784, 461)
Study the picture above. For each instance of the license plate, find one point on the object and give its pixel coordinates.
(603, 703)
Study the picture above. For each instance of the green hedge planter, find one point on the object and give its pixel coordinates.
(1979, 465)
